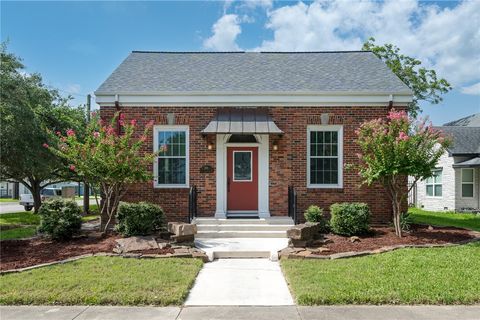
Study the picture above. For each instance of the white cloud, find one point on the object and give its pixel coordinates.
(447, 39)
(73, 88)
(225, 32)
(258, 3)
(473, 89)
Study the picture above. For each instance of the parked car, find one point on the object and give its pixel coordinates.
(26, 200)
(50, 193)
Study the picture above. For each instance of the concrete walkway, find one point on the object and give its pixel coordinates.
(240, 282)
(242, 313)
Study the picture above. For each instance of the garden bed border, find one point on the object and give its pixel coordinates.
(352, 254)
(107, 254)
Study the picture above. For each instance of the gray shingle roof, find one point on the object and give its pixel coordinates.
(466, 140)
(156, 72)
(470, 121)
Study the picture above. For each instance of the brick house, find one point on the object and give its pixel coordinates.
(244, 126)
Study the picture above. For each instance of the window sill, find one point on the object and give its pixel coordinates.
(170, 186)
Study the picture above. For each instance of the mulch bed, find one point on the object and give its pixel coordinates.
(385, 236)
(15, 254)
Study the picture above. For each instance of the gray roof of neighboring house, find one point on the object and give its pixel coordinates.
(470, 121)
(327, 72)
(471, 163)
(466, 140)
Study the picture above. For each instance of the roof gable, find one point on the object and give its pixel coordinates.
(466, 140)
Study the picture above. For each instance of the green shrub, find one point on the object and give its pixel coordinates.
(315, 214)
(139, 219)
(60, 219)
(349, 219)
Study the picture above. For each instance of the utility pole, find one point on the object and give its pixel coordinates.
(86, 188)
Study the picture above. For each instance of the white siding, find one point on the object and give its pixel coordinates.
(466, 203)
(447, 201)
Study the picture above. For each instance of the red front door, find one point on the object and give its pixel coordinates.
(242, 178)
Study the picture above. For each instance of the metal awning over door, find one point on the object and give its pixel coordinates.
(242, 121)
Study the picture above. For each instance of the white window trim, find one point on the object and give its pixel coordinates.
(251, 165)
(158, 128)
(339, 129)
(472, 183)
(433, 184)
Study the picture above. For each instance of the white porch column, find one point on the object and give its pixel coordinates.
(263, 176)
(221, 210)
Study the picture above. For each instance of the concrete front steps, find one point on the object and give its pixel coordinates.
(242, 238)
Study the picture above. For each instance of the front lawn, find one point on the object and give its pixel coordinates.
(18, 225)
(459, 220)
(409, 276)
(103, 281)
(8, 200)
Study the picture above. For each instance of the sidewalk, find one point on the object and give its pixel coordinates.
(241, 313)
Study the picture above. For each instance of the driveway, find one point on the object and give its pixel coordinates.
(8, 207)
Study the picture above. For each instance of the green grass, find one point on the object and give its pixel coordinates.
(8, 200)
(460, 220)
(18, 233)
(103, 281)
(24, 218)
(408, 276)
(90, 217)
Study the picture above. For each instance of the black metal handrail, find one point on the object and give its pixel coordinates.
(192, 203)
(292, 204)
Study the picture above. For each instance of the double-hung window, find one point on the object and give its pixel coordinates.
(467, 183)
(434, 184)
(171, 165)
(325, 156)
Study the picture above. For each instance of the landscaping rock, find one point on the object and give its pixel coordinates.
(354, 239)
(200, 255)
(305, 253)
(135, 244)
(182, 229)
(430, 228)
(297, 243)
(306, 231)
(184, 239)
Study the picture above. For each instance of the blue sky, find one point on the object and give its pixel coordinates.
(76, 45)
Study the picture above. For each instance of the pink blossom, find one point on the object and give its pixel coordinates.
(403, 136)
(45, 145)
(133, 122)
(150, 123)
(94, 113)
(101, 122)
(121, 122)
(96, 134)
(122, 116)
(143, 138)
(397, 115)
(70, 132)
(58, 133)
(72, 167)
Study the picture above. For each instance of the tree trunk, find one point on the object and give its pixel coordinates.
(37, 198)
(396, 216)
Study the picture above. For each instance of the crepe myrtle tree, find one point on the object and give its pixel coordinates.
(106, 159)
(394, 148)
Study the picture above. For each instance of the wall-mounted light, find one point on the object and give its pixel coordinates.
(275, 146)
(209, 146)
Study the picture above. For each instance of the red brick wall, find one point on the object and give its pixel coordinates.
(287, 164)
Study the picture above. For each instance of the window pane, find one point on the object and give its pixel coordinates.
(437, 176)
(171, 171)
(313, 137)
(313, 150)
(430, 190)
(438, 190)
(324, 168)
(467, 175)
(467, 190)
(429, 180)
(242, 166)
(334, 137)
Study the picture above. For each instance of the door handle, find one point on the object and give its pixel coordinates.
(228, 184)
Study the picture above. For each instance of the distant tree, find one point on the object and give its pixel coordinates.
(423, 82)
(107, 159)
(27, 109)
(394, 148)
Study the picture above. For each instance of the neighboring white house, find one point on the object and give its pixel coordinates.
(455, 182)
